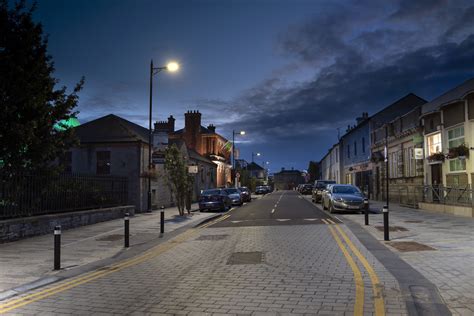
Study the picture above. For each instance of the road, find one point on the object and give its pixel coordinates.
(276, 255)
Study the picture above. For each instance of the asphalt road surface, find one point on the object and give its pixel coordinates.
(277, 208)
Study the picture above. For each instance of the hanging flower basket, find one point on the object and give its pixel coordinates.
(436, 157)
(461, 151)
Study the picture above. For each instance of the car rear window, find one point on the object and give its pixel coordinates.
(211, 192)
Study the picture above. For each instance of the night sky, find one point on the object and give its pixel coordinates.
(289, 73)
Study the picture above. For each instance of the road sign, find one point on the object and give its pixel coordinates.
(192, 169)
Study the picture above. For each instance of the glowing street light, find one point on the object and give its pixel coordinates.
(171, 67)
(233, 150)
(255, 154)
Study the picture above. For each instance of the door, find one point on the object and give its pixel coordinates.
(436, 181)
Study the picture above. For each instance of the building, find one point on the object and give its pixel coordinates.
(287, 179)
(405, 156)
(448, 128)
(331, 164)
(354, 154)
(257, 171)
(207, 143)
(111, 145)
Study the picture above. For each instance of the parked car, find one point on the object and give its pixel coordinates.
(306, 189)
(269, 188)
(235, 196)
(245, 194)
(344, 197)
(319, 186)
(214, 199)
(261, 189)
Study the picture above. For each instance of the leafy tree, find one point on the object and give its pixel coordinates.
(29, 100)
(313, 170)
(179, 181)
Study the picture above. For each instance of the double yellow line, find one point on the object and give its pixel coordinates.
(88, 277)
(376, 286)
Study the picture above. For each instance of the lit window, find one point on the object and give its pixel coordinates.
(434, 143)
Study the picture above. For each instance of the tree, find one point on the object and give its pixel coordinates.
(30, 103)
(313, 170)
(179, 181)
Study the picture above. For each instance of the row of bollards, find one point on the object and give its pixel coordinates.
(126, 221)
(386, 235)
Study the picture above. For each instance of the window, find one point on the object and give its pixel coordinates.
(457, 164)
(434, 143)
(456, 137)
(409, 162)
(393, 165)
(363, 145)
(355, 148)
(348, 151)
(337, 154)
(103, 162)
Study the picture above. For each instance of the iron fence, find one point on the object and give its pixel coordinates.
(411, 195)
(37, 194)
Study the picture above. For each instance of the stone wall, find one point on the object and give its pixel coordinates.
(19, 228)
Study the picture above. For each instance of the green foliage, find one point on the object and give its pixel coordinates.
(176, 173)
(31, 105)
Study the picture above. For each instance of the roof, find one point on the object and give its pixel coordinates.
(203, 130)
(196, 156)
(288, 171)
(254, 166)
(111, 129)
(454, 95)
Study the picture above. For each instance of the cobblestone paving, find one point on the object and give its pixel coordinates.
(304, 272)
(451, 266)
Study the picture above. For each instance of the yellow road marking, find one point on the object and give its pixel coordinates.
(376, 286)
(359, 300)
(331, 221)
(156, 251)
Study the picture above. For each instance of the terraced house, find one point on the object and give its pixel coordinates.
(448, 122)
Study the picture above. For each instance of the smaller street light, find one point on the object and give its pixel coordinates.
(233, 150)
(255, 154)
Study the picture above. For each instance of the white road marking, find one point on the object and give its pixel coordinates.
(236, 221)
(282, 220)
(338, 218)
(310, 219)
(273, 211)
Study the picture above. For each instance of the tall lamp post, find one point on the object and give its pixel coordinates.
(171, 67)
(233, 152)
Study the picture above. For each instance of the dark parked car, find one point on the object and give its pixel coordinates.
(214, 199)
(306, 189)
(319, 186)
(234, 195)
(343, 197)
(261, 189)
(245, 193)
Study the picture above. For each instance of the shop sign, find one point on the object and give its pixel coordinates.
(417, 139)
(418, 152)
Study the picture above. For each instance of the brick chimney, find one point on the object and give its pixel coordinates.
(192, 129)
(211, 128)
(171, 121)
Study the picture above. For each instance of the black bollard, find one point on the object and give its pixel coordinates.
(126, 221)
(162, 220)
(57, 247)
(385, 224)
(366, 211)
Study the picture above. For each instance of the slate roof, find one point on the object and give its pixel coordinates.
(398, 108)
(204, 130)
(451, 96)
(254, 166)
(111, 129)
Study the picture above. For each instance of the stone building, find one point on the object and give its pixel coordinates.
(287, 179)
(331, 164)
(207, 143)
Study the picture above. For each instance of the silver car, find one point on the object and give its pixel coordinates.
(235, 196)
(344, 197)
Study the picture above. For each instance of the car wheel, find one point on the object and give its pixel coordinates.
(331, 208)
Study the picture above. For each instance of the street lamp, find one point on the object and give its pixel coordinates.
(256, 154)
(233, 151)
(171, 67)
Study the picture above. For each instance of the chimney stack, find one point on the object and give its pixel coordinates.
(211, 128)
(171, 121)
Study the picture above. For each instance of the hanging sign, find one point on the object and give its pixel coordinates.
(418, 152)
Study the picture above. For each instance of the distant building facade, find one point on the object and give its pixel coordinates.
(287, 179)
(207, 143)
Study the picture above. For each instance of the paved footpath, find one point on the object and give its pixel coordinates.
(31, 260)
(449, 265)
(314, 266)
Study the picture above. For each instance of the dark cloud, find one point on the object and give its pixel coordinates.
(361, 63)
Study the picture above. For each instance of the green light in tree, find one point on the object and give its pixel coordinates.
(65, 124)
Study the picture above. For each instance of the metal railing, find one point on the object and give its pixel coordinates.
(37, 194)
(411, 195)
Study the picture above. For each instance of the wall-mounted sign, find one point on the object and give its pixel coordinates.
(158, 157)
(417, 139)
(418, 152)
(192, 169)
